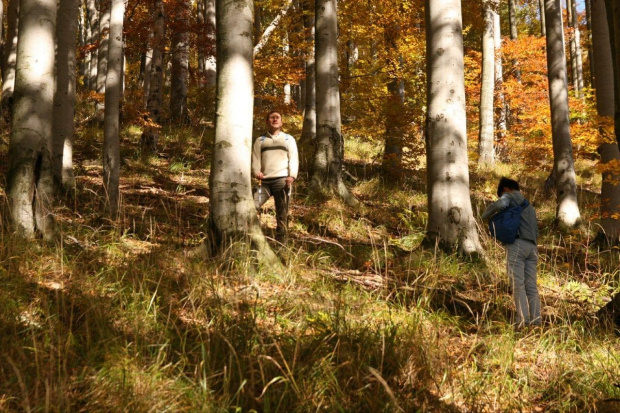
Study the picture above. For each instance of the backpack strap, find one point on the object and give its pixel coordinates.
(524, 205)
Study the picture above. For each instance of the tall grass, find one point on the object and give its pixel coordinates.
(115, 316)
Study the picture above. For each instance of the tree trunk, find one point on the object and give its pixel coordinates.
(233, 214)
(148, 66)
(30, 179)
(102, 55)
(395, 106)
(605, 98)
(513, 35)
(209, 62)
(1, 35)
(10, 59)
(486, 151)
(567, 212)
(64, 98)
(93, 18)
(113, 86)
(287, 85)
(83, 36)
(450, 217)
(499, 76)
(571, 48)
(575, 48)
(179, 75)
(150, 135)
(543, 24)
(308, 132)
(200, 47)
(329, 156)
(613, 16)
(590, 52)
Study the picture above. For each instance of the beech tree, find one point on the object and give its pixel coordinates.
(150, 135)
(329, 155)
(563, 174)
(102, 54)
(179, 73)
(64, 98)
(93, 23)
(605, 98)
(232, 211)
(543, 24)
(308, 132)
(30, 178)
(613, 13)
(575, 46)
(512, 20)
(450, 217)
(395, 106)
(113, 87)
(10, 58)
(499, 75)
(487, 88)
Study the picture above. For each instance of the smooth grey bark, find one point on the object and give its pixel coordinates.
(93, 23)
(10, 59)
(179, 74)
(232, 211)
(308, 132)
(287, 85)
(83, 36)
(543, 24)
(200, 20)
(571, 48)
(1, 34)
(499, 76)
(576, 48)
(64, 97)
(567, 212)
(30, 180)
(102, 55)
(210, 66)
(113, 89)
(148, 66)
(450, 217)
(605, 101)
(613, 16)
(150, 135)
(588, 4)
(486, 151)
(512, 17)
(329, 155)
(393, 151)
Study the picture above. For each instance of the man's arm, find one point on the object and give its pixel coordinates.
(256, 158)
(496, 207)
(293, 159)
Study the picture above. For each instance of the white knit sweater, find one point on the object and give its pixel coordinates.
(275, 156)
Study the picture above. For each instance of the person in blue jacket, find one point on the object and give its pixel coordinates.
(522, 255)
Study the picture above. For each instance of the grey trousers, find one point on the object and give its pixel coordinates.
(277, 188)
(522, 258)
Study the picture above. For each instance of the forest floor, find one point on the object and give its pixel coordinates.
(120, 315)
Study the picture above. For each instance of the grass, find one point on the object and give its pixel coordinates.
(116, 316)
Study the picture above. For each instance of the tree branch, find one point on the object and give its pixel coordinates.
(272, 26)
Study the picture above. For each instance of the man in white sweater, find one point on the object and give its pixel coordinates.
(275, 164)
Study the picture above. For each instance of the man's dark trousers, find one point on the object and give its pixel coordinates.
(277, 188)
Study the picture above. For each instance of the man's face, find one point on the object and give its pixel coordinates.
(274, 121)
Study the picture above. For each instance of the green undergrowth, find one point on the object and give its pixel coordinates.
(121, 315)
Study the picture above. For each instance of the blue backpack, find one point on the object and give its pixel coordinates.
(504, 225)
